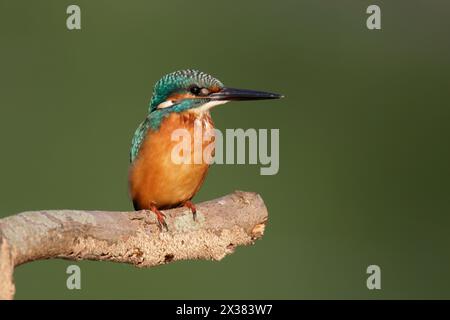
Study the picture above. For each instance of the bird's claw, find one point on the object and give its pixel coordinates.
(161, 218)
(191, 206)
(162, 224)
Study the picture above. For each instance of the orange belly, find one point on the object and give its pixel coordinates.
(154, 178)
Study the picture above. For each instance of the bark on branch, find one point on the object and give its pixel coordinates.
(130, 237)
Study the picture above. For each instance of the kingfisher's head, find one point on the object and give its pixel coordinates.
(197, 91)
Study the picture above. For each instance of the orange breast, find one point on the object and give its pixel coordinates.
(155, 178)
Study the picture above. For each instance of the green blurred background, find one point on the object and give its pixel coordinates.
(364, 138)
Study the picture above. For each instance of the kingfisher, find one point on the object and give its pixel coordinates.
(180, 100)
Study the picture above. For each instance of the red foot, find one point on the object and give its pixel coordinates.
(160, 216)
(190, 205)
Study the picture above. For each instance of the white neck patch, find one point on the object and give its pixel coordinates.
(165, 104)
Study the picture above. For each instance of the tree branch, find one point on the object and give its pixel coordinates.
(130, 237)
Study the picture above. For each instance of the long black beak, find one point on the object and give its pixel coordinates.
(232, 94)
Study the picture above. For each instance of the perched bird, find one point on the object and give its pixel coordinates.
(181, 99)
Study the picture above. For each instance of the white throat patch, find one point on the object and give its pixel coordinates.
(205, 107)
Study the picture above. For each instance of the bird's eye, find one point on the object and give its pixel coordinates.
(195, 90)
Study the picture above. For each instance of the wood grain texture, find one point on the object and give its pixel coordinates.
(130, 237)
